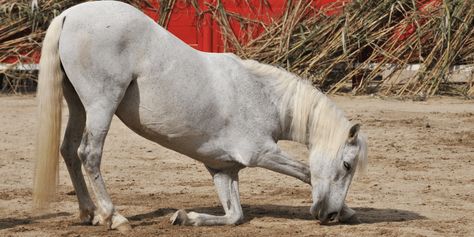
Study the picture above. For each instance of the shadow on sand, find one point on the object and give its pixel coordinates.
(6, 223)
(366, 215)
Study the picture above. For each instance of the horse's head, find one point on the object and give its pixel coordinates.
(331, 178)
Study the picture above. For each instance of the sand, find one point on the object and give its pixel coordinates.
(420, 179)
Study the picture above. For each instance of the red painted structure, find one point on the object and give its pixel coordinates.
(203, 32)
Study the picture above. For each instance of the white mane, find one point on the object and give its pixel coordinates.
(306, 113)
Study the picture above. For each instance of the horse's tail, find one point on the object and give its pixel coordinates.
(50, 93)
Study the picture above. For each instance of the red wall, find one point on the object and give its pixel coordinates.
(203, 32)
(184, 22)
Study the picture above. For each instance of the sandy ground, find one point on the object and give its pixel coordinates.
(420, 180)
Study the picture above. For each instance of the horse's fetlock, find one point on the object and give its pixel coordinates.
(108, 210)
(86, 215)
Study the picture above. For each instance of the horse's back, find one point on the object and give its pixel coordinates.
(111, 27)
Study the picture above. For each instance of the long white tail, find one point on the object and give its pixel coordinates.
(50, 94)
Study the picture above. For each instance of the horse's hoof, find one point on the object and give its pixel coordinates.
(98, 220)
(120, 223)
(352, 220)
(180, 217)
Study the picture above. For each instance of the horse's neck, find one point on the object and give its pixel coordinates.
(298, 100)
(308, 116)
(287, 94)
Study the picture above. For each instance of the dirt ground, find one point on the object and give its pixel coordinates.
(420, 180)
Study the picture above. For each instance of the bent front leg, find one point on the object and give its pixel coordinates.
(281, 163)
(227, 185)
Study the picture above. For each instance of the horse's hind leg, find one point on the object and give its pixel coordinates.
(227, 185)
(71, 141)
(90, 151)
(100, 103)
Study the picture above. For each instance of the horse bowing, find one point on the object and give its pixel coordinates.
(109, 58)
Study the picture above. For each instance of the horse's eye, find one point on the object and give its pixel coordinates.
(347, 165)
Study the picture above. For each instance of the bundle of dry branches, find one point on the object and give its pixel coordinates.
(22, 27)
(370, 39)
(369, 43)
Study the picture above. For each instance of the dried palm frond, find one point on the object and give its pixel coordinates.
(370, 39)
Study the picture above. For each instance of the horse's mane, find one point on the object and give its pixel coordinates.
(313, 118)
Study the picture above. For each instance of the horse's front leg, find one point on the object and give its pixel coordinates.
(227, 185)
(280, 162)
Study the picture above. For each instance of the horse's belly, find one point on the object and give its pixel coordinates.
(155, 118)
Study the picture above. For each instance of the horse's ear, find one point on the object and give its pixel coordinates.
(353, 132)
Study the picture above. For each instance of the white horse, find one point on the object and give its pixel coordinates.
(109, 58)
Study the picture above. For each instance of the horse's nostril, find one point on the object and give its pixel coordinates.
(332, 216)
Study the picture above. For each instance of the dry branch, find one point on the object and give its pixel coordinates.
(369, 43)
(369, 37)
